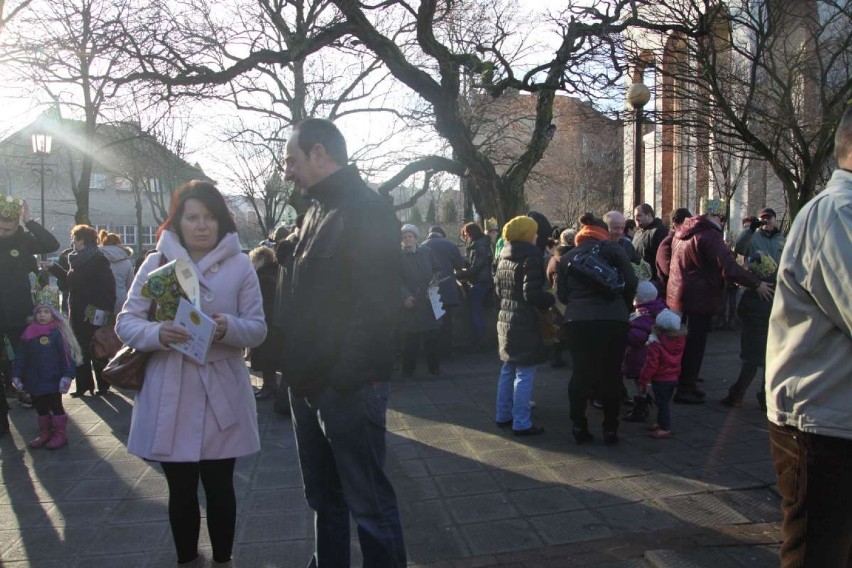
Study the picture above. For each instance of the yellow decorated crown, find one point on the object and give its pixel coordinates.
(713, 207)
(47, 296)
(10, 207)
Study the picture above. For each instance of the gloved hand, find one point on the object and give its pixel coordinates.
(755, 225)
(64, 384)
(16, 382)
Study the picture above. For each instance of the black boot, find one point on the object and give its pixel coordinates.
(639, 412)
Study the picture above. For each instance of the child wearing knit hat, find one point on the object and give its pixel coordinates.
(662, 367)
(45, 364)
(646, 306)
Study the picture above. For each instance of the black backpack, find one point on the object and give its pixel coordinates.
(594, 269)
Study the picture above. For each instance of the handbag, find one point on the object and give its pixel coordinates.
(105, 343)
(592, 267)
(550, 326)
(126, 369)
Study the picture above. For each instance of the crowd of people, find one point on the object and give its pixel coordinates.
(631, 301)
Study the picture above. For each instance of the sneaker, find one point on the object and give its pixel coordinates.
(597, 404)
(531, 431)
(504, 423)
(652, 427)
(689, 397)
(532, 404)
(661, 434)
(731, 402)
(25, 401)
(582, 435)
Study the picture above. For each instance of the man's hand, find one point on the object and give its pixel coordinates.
(755, 225)
(25, 212)
(766, 291)
(171, 333)
(409, 302)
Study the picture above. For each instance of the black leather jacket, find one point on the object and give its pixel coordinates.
(345, 298)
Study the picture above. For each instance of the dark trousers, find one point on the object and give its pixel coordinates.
(693, 352)
(50, 403)
(597, 348)
(663, 392)
(445, 334)
(217, 477)
(476, 300)
(747, 374)
(14, 335)
(341, 443)
(84, 333)
(813, 479)
(411, 347)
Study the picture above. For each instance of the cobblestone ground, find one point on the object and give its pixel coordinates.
(471, 494)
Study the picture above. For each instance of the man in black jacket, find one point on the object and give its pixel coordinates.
(649, 235)
(17, 247)
(338, 343)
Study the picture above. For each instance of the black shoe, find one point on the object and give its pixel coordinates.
(101, 392)
(731, 402)
(504, 424)
(639, 412)
(435, 371)
(610, 438)
(597, 404)
(4, 426)
(582, 435)
(531, 431)
(77, 394)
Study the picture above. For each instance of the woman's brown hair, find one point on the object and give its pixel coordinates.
(206, 193)
(106, 239)
(86, 233)
(473, 231)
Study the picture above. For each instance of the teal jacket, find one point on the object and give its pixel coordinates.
(748, 243)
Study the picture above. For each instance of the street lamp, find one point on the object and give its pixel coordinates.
(41, 148)
(638, 96)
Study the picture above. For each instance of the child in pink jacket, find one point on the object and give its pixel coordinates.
(662, 367)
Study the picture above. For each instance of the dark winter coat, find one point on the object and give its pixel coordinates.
(647, 241)
(90, 284)
(41, 362)
(16, 262)
(344, 306)
(641, 323)
(520, 283)
(585, 302)
(266, 357)
(417, 270)
(664, 259)
(701, 263)
(478, 270)
(552, 270)
(663, 360)
(447, 257)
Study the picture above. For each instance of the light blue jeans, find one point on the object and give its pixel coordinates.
(514, 389)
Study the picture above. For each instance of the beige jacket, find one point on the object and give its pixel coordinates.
(809, 351)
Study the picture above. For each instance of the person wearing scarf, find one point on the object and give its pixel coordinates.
(91, 301)
(596, 325)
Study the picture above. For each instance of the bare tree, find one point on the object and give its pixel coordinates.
(763, 79)
(69, 51)
(9, 10)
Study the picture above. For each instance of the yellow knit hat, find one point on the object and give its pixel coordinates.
(521, 228)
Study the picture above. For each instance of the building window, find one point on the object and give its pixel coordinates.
(98, 181)
(148, 236)
(123, 184)
(154, 186)
(127, 233)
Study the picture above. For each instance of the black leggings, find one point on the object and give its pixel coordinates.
(217, 477)
(50, 403)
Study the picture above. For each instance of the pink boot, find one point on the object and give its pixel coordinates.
(59, 438)
(43, 432)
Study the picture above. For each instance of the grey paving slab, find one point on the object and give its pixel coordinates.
(572, 526)
(544, 500)
(466, 484)
(481, 508)
(500, 536)
(703, 510)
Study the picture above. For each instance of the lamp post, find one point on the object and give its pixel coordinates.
(41, 148)
(638, 96)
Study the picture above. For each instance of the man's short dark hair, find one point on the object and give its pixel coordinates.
(646, 209)
(843, 136)
(313, 131)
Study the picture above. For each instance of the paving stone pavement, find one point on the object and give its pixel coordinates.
(471, 494)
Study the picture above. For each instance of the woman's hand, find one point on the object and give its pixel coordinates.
(221, 326)
(171, 333)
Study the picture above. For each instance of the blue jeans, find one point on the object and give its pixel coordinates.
(514, 389)
(341, 443)
(663, 392)
(476, 297)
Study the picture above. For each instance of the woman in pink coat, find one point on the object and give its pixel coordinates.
(197, 419)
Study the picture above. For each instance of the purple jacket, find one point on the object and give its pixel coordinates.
(641, 322)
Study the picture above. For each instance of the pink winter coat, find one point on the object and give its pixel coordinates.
(662, 361)
(641, 322)
(187, 412)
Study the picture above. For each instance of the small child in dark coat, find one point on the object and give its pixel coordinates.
(45, 364)
(646, 306)
(662, 367)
